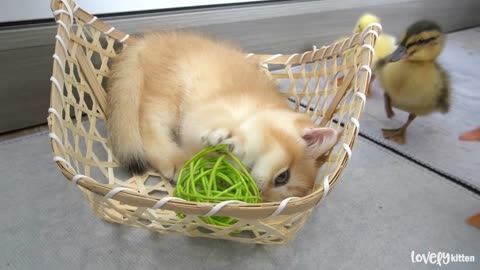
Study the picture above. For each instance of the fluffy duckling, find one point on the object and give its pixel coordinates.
(412, 79)
(384, 45)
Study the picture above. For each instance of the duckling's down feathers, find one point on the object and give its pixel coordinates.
(418, 27)
(418, 88)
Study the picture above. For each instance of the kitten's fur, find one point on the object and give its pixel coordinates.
(171, 94)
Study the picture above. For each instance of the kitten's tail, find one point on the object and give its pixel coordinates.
(124, 94)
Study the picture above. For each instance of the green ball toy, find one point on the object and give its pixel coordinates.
(215, 175)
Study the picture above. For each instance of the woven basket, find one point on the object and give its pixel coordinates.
(310, 80)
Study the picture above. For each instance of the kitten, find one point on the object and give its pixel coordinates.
(172, 94)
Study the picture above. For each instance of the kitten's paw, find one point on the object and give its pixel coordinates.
(169, 168)
(170, 173)
(167, 171)
(235, 147)
(215, 137)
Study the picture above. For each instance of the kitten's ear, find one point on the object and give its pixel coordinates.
(319, 140)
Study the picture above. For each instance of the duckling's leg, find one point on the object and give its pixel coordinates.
(369, 89)
(398, 135)
(388, 105)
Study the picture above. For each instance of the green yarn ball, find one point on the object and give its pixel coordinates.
(212, 176)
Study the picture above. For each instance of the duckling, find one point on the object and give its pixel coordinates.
(412, 79)
(384, 45)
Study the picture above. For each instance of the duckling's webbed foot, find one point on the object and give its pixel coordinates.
(398, 135)
(388, 106)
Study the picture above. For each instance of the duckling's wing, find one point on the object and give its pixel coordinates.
(444, 94)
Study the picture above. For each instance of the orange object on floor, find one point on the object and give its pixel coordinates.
(472, 135)
(474, 220)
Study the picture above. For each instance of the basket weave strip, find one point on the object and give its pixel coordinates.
(85, 46)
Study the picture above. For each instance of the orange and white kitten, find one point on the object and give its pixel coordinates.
(171, 94)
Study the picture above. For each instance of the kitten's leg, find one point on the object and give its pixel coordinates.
(208, 128)
(225, 136)
(214, 135)
(162, 151)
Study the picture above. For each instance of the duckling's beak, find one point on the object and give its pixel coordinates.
(398, 54)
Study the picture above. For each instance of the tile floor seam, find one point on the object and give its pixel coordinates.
(418, 167)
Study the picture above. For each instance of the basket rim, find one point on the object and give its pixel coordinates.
(64, 12)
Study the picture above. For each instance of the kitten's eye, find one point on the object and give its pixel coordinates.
(282, 178)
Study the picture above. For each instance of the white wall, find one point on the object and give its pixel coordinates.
(20, 10)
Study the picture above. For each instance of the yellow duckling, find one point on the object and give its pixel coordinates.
(384, 45)
(412, 79)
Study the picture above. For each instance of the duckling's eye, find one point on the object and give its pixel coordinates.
(421, 41)
(282, 178)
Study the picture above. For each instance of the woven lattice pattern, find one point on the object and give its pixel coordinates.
(328, 84)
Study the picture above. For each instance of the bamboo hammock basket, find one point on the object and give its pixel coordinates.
(84, 48)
